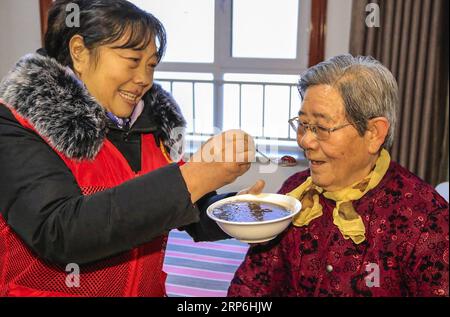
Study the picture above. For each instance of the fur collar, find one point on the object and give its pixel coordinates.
(62, 111)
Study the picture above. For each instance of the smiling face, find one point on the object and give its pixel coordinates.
(345, 157)
(117, 78)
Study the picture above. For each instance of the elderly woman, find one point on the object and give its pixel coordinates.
(368, 227)
(89, 184)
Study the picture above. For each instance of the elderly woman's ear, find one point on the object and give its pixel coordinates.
(377, 130)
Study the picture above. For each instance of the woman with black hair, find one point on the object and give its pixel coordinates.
(88, 152)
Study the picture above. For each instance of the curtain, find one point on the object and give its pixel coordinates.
(411, 40)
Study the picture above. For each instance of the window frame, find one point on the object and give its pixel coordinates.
(263, 65)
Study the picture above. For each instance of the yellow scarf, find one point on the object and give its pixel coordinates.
(345, 216)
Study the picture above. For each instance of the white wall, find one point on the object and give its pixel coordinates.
(20, 31)
(337, 39)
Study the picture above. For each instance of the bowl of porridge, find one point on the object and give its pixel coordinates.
(254, 218)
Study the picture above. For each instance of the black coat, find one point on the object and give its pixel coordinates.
(39, 196)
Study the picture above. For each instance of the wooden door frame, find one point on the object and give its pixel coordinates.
(44, 6)
(318, 31)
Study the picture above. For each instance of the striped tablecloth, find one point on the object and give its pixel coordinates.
(200, 269)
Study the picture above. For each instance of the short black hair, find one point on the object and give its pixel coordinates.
(102, 22)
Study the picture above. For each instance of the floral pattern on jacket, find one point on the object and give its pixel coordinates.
(405, 252)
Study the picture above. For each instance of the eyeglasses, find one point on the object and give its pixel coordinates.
(319, 132)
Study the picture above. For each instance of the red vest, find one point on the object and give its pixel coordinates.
(134, 273)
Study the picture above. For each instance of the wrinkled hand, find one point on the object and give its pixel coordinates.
(256, 189)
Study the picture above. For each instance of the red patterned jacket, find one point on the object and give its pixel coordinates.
(405, 253)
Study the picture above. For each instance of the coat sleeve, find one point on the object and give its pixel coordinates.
(41, 201)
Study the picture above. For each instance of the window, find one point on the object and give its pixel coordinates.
(269, 33)
(189, 26)
(235, 63)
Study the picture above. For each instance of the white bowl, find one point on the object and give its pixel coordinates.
(258, 231)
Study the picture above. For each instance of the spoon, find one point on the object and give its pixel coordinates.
(269, 160)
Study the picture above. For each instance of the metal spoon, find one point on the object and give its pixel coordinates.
(269, 160)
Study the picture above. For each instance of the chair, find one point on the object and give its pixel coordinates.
(442, 189)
